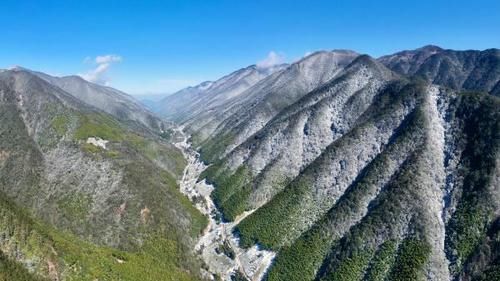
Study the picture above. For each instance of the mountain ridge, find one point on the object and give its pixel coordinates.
(302, 172)
(110, 100)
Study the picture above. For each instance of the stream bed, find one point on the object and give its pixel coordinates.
(218, 246)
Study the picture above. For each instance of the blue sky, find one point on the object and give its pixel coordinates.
(161, 46)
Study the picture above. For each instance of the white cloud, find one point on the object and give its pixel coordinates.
(99, 73)
(108, 59)
(272, 59)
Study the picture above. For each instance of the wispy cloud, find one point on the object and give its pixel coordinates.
(272, 59)
(108, 59)
(102, 64)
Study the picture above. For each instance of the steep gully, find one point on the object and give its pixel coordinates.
(218, 246)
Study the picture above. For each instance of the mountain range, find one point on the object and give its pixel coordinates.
(345, 166)
(355, 168)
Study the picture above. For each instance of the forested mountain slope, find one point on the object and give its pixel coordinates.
(86, 196)
(371, 174)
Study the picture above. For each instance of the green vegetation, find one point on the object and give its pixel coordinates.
(278, 221)
(99, 125)
(410, 260)
(139, 227)
(90, 148)
(167, 135)
(238, 276)
(492, 273)
(232, 189)
(211, 173)
(112, 153)
(60, 124)
(470, 223)
(159, 189)
(13, 271)
(301, 260)
(214, 147)
(475, 210)
(157, 249)
(304, 257)
(159, 258)
(226, 249)
(351, 268)
(157, 151)
(195, 139)
(382, 261)
(270, 223)
(105, 127)
(75, 206)
(357, 256)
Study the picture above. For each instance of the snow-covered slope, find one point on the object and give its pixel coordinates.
(359, 174)
(408, 62)
(192, 101)
(241, 117)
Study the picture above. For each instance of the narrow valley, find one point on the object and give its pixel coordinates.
(218, 246)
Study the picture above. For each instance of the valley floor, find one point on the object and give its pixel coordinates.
(218, 246)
